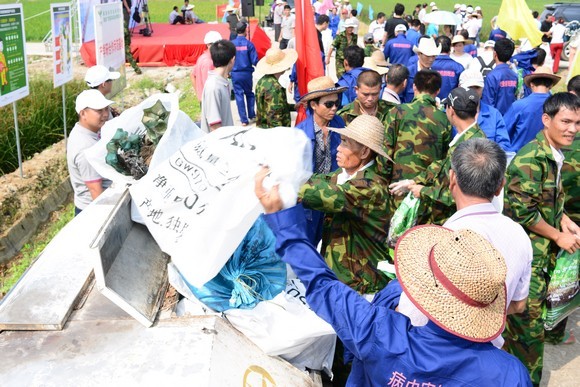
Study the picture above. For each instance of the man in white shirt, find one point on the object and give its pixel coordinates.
(396, 83)
(377, 27)
(288, 24)
(476, 176)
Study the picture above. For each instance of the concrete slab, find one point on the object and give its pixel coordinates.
(47, 293)
(199, 351)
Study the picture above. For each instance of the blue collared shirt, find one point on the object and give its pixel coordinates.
(246, 55)
(524, 119)
(399, 50)
(409, 94)
(500, 88)
(413, 36)
(491, 122)
(386, 348)
(450, 71)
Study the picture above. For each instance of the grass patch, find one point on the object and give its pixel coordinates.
(40, 120)
(144, 83)
(11, 273)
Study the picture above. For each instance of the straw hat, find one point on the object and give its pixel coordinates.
(367, 130)
(276, 61)
(427, 46)
(320, 87)
(377, 62)
(230, 8)
(542, 72)
(460, 39)
(190, 7)
(456, 278)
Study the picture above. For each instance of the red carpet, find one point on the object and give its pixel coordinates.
(172, 45)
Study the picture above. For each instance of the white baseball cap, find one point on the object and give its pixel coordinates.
(470, 78)
(489, 43)
(93, 99)
(99, 74)
(211, 37)
(400, 27)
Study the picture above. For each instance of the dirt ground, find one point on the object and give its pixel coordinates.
(562, 362)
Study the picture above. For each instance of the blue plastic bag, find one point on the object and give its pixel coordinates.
(254, 273)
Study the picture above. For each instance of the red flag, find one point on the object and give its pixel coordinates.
(309, 63)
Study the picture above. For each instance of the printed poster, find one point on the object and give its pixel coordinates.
(13, 70)
(86, 17)
(110, 42)
(60, 17)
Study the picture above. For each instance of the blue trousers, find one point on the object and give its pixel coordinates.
(242, 81)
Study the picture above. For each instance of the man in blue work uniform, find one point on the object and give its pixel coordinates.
(524, 119)
(246, 59)
(427, 50)
(399, 49)
(453, 348)
(501, 82)
(354, 58)
(413, 33)
(449, 69)
(489, 119)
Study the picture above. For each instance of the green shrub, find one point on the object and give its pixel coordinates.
(40, 121)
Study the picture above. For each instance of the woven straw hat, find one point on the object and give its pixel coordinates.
(230, 8)
(456, 278)
(367, 130)
(320, 87)
(277, 61)
(377, 62)
(542, 72)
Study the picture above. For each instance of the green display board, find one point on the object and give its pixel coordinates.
(13, 71)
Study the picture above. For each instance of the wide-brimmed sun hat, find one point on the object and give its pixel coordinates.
(427, 46)
(230, 8)
(367, 130)
(349, 23)
(377, 62)
(190, 7)
(456, 278)
(542, 72)
(320, 87)
(460, 39)
(276, 61)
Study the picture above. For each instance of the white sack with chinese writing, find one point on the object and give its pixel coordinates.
(200, 203)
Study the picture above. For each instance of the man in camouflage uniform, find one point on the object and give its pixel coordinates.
(370, 47)
(368, 90)
(571, 180)
(432, 185)
(342, 41)
(128, 54)
(416, 133)
(535, 199)
(272, 107)
(353, 198)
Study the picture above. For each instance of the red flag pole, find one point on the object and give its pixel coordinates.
(309, 63)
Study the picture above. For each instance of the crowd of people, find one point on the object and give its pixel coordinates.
(470, 128)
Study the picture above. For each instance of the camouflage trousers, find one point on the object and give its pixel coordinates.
(525, 334)
(339, 64)
(128, 54)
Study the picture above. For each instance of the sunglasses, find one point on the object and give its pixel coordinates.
(330, 104)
